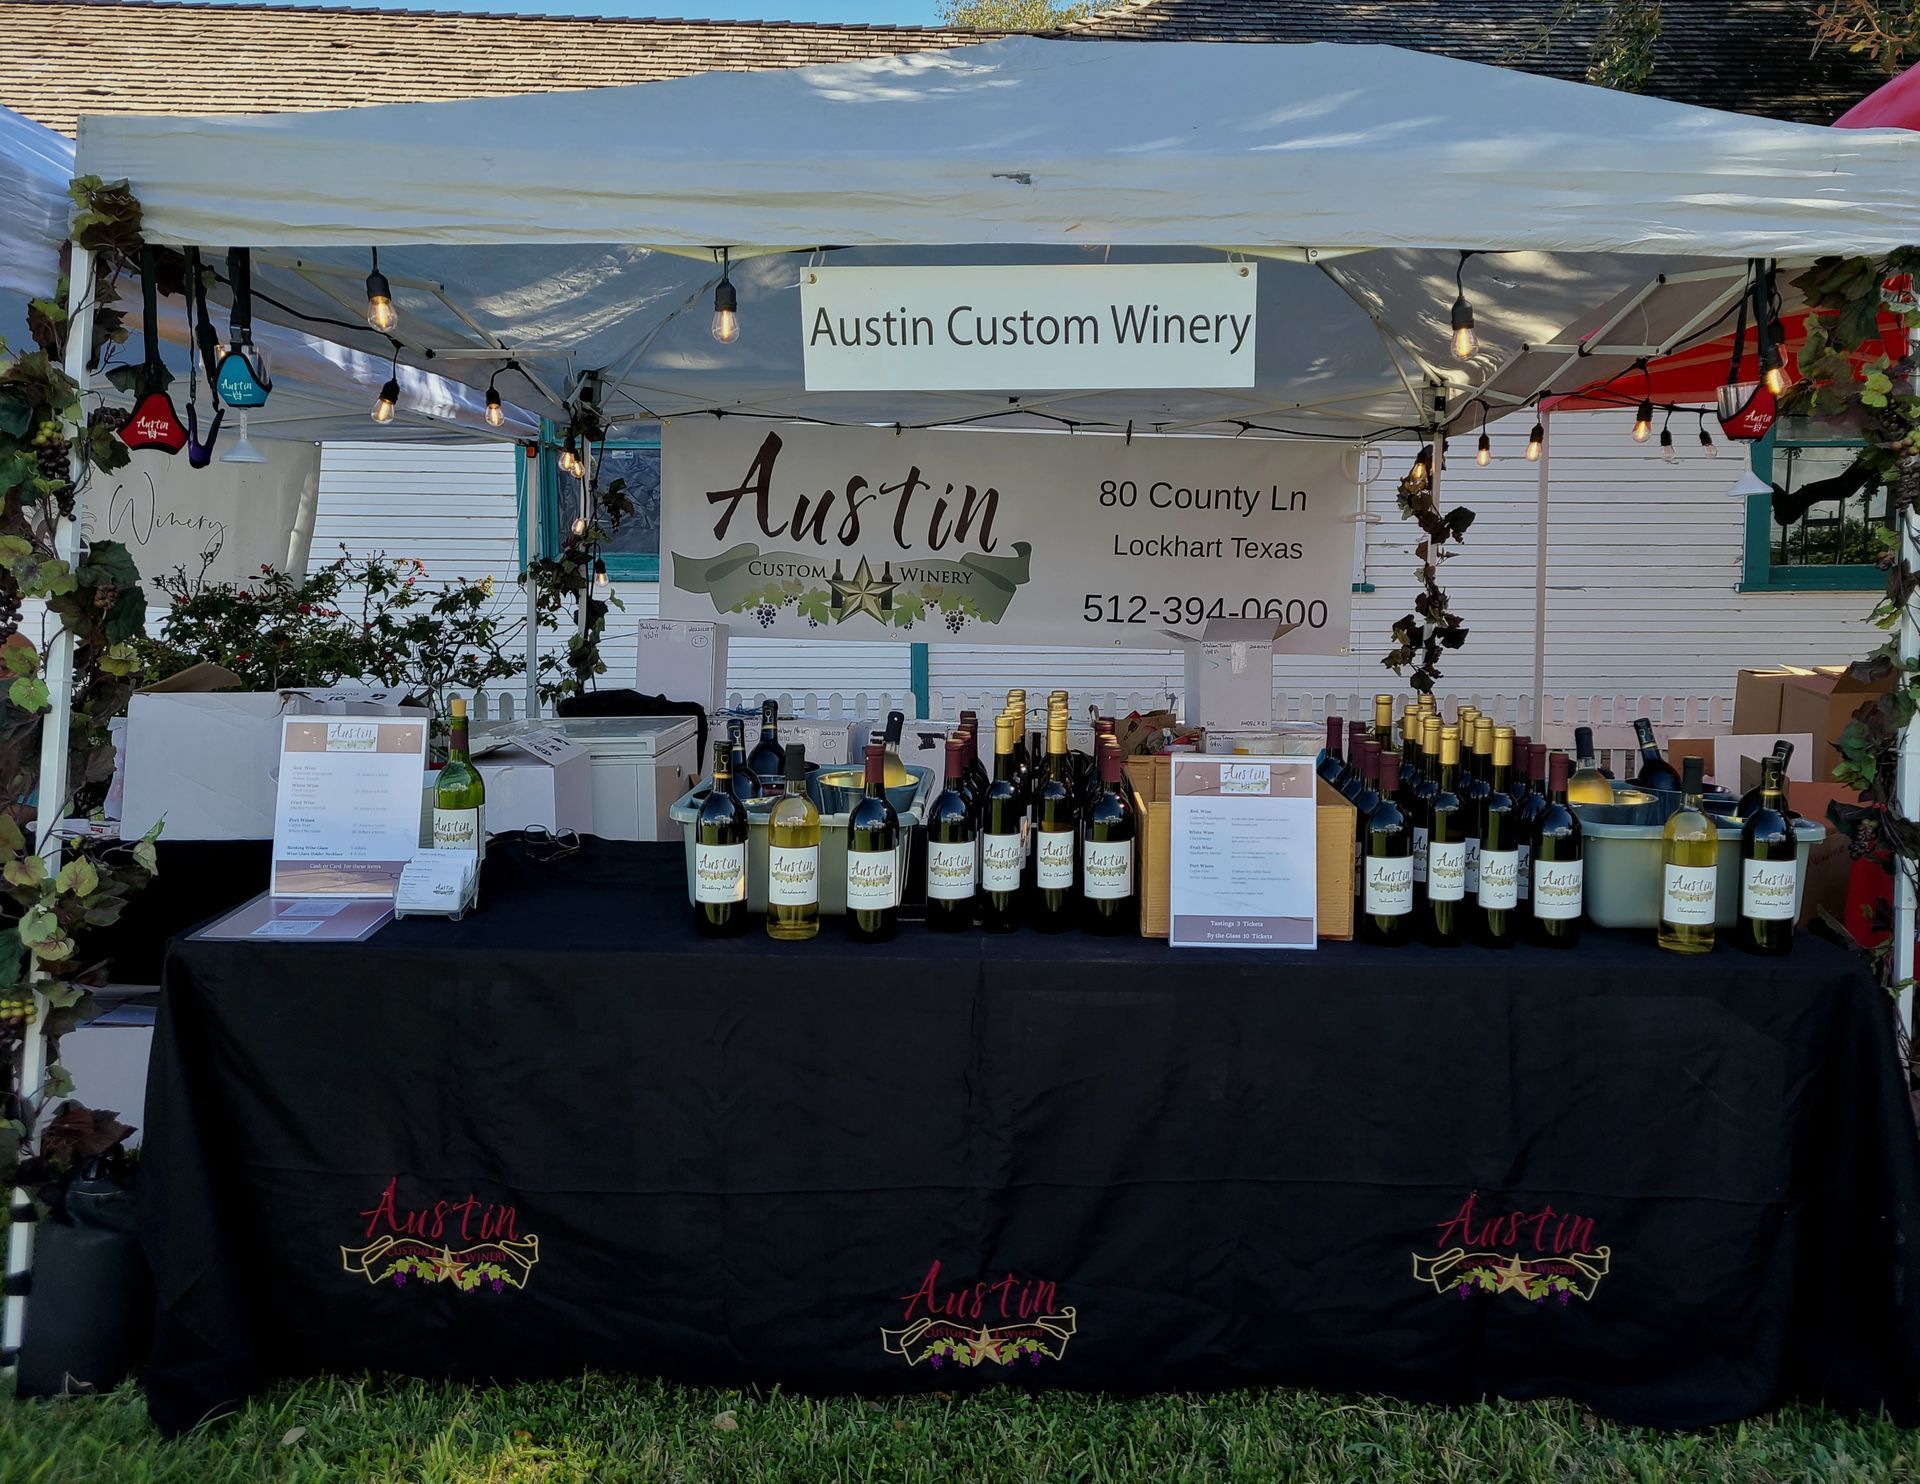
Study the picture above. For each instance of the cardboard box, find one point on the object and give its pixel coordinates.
(1756, 697)
(541, 780)
(1333, 848)
(683, 661)
(1822, 703)
(1230, 673)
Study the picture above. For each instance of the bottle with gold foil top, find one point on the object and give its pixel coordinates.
(1476, 769)
(1056, 839)
(1383, 721)
(1499, 878)
(1445, 918)
(1420, 816)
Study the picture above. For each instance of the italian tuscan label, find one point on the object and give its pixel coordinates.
(1447, 870)
(949, 871)
(1558, 889)
(719, 873)
(1766, 890)
(1473, 867)
(793, 875)
(460, 829)
(1420, 852)
(1499, 879)
(1390, 885)
(1108, 866)
(1001, 857)
(1686, 895)
(1055, 868)
(870, 880)
(1525, 873)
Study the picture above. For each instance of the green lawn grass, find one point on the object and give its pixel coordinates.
(605, 1428)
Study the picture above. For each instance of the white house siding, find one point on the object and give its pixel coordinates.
(1644, 566)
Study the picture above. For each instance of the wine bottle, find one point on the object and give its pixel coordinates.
(1386, 892)
(1474, 787)
(1056, 845)
(951, 833)
(1351, 784)
(1588, 785)
(1655, 771)
(1412, 762)
(1332, 763)
(873, 874)
(1365, 801)
(1383, 721)
(793, 855)
(1769, 870)
(1531, 808)
(897, 773)
(460, 794)
(720, 855)
(1420, 816)
(1003, 836)
(1559, 864)
(1689, 870)
(1499, 881)
(1446, 850)
(1522, 760)
(765, 761)
(1107, 854)
(1750, 800)
(743, 781)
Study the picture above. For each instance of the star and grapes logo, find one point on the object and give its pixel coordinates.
(1004, 1321)
(418, 1245)
(1541, 1256)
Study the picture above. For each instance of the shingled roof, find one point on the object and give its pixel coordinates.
(63, 58)
(1749, 56)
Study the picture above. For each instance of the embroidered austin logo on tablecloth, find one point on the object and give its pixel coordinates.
(1539, 1255)
(998, 1321)
(420, 1245)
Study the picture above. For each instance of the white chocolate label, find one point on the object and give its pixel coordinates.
(1055, 869)
(1447, 870)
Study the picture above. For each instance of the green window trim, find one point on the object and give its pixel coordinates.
(1759, 575)
(621, 566)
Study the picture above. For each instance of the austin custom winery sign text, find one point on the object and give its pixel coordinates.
(812, 532)
(1063, 328)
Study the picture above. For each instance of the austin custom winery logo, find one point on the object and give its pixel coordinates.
(991, 1321)
(1534, 1255)
(469, 1243)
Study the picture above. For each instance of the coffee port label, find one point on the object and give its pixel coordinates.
(965, 536)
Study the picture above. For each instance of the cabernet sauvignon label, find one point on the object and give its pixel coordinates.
(1001, 857)
(1390, 885)
(1558, 889)
(793, 875)
(1687, 895)
(1055, 867)
(1447, 870)
(870, 880)
(719, 873)
(1420, 852)
(1109, 869)
(949, 871)
(1767, 890)
(1499, 879)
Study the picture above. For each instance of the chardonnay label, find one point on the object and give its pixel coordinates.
(1055, 870)
(1686, 895)
(719, 873)
(1109, 869)
(1524, 872)
(1558, 889)
(1390, 885)
(870, 882)
(1419, 852)
(793, 875)
(1447, 870)
(949, 871)
(1001, 857)
(1499, 879)
(460, 829)
(1766, 890)
(1473, 867)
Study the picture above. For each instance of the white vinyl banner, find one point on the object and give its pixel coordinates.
(812, 532)
(1059, 328)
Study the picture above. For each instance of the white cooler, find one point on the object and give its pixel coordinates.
(639, 766)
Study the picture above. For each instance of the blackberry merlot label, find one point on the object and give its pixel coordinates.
(811, 532)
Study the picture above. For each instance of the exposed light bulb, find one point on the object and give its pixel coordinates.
(600, 583)
(380, 299)
(1465, 341)
(1777, 381)
(726, 311)
(579, 525)
(1643, 423)
(1666, 445)
(495, 414)
(388, 400)
(569, 460)
(1536, 440)
(1707, 444)
(1483, 455)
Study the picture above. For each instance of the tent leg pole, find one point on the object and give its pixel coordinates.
(1540, 587)
(1907, 776)
(535, 486)
(52, 791)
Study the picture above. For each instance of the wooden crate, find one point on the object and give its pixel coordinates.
(1333, 840)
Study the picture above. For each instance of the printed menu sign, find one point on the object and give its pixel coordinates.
(1243, 863)
(347, 812)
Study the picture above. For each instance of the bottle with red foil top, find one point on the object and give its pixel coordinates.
(1107, 857)
(1559, 865)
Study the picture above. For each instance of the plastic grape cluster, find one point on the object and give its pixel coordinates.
(16, 1009)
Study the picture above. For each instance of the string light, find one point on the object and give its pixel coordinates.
(600, 584)
(495, 414)
(579, 525)
(380, 299)
(569, 459)
(726, 305)
(388, 399)
(1483, 453)
(1706, 439)
(1777, 379)
(1537, 439)
(1465, 341)
(1666, 441)
(1643, 422)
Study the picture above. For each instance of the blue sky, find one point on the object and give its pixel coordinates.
(867, 12)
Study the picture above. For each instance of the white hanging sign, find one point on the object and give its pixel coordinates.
(1093, 327)
(812, 532)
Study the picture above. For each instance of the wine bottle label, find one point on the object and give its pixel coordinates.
(1767, 890)
(870, 880)
(1447, 870)
(1686, 895)
(1420, 853)
(1473, 867)
(1523, 873)
(1055, 849)
(949, 871)
(460, 829)
(1001, 858)
(1390, 885)
(793, 875)
(1108, 866)
(1558, 889)
(719, 873)
(1499, 879)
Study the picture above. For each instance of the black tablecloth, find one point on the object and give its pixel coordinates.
(567, 1133)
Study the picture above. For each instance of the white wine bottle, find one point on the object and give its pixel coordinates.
(460, 794)
(1690, 869)
(1587, 785)
(793, 856)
